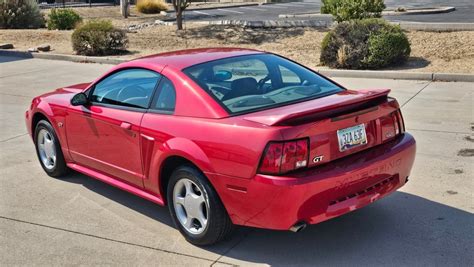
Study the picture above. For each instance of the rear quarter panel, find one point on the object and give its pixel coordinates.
(229, 146)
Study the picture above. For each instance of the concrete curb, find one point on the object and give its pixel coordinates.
(398, 75)
(274, 23)
(420, 11)
(327, 23)
(221, 7)
(306, 15)
(259, 23)
(439, 27)
(458, 77)
(71, 58)
(368, 74)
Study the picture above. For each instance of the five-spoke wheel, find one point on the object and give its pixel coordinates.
(190, 205)
(196, 208)
(48, 149)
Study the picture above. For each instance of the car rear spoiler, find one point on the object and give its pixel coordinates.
(330, 107)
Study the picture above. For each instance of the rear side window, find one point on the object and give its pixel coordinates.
(248, 83)
(129, 88)
(166, 99)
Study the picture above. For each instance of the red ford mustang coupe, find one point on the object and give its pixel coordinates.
(227, 137)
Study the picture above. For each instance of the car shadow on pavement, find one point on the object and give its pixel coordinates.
(402, 229)
(129, 200)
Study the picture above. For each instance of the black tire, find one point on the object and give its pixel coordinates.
(219, 226)
(60, 168)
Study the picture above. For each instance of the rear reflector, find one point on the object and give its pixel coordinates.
(283, 157)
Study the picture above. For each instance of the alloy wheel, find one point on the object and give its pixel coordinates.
(46, 149)
(191, 206)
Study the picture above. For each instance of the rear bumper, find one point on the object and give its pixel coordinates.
(320, 193)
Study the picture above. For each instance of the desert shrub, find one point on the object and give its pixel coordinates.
(343, 10)
(20, 14)
(151, 6)
(99, 38)
(364, 44)
(63, 19)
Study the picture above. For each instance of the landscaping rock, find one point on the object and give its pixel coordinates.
(32, 50)
(6, 46)
(44, 48)
(135, 27)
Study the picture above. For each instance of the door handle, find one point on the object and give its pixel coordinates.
(126, 125)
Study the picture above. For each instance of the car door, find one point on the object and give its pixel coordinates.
(104, 135)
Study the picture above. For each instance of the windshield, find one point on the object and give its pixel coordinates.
(246, 83)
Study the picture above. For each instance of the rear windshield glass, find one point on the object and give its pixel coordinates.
(253, 82)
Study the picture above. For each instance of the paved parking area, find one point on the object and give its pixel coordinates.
(79, 220)
(462, 14)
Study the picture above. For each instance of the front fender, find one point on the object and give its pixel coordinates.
(55, 114)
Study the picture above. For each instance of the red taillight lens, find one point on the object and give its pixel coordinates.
(282, 157)
(302, 153)
(392, 125)
(272, 159)
(288, 159)
(401, 123)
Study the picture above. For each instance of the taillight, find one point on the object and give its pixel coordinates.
(392, 125)
(396, 124)
(283, 157)
(401, 123)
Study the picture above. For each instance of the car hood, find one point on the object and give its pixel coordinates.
(66, 91)
(62, 96)
(75, 88)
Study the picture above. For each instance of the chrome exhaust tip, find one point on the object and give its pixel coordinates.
(298, 227)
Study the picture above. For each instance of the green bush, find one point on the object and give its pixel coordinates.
(63, 19)
(20, 14)
(343, 10)
(364, 44)
(99, 38)
(151, 6)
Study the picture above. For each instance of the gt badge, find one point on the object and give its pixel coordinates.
(318, 159)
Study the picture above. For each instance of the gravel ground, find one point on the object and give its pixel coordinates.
(450, 52)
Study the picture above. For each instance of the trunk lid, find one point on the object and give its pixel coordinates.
(336, 122)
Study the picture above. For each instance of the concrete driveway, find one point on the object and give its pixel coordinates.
(78, 220)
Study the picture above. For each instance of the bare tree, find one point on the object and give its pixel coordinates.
(125, 8)
(179, 7)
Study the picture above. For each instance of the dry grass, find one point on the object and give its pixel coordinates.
(451, 52)
(151, 6)
(113, 13)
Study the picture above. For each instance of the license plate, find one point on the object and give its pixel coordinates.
(351, 137)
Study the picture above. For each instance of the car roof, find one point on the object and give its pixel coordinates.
(185, 58)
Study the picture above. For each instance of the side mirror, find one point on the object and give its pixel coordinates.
(222, 75)
(79, 100)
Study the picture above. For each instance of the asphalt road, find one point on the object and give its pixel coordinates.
(464, 11)
(79, 220)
